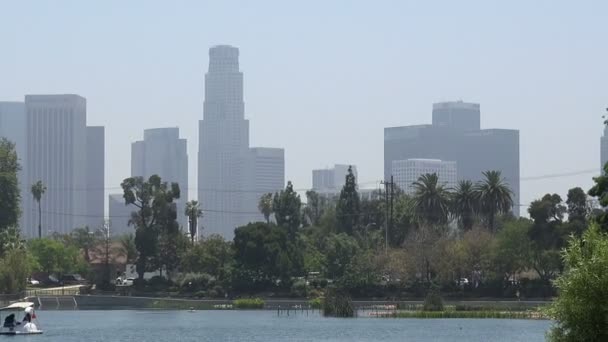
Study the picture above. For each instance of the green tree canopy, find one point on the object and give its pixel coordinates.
(154, 221)
(580, 309)
(578, 207)
(10, 197)
(348, 208)
(287, 205)
(264, 254)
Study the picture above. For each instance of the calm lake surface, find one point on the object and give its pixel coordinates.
(266, 326)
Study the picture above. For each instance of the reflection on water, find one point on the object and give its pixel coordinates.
(266, 326)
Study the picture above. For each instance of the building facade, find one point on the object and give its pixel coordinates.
(56, 155)
(95, 183)
(225, 162)
(119, 215)
(457, 115)
(163, 153)
(267, 175)
(474, 151)
(406, 172)
(331, 179)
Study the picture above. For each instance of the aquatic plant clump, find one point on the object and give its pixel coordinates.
(338, 303)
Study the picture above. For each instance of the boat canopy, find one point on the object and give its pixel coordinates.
(17, 306)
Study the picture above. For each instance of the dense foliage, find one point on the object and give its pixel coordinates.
(581, 310)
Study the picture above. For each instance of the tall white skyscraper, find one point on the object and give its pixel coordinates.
(12, 127)
(56, 155)
(331, 179)
(227, 185)
(406, 172)
(163, 153)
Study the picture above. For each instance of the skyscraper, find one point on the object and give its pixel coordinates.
(227, 183)
(95, 176)
(163, 153)
(56, 155)
(457, 115)
(12, 127)
(119, 215)
(473, 150)
(408, 171)
(331, 179)
(604, 149)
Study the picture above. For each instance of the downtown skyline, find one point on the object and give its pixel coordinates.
(373, 76)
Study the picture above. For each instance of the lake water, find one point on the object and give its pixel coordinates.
(266, 326)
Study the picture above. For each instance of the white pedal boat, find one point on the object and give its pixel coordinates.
(19, 319)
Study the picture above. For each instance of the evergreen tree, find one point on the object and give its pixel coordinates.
(286, 205)
(9, 186)
(348, 208)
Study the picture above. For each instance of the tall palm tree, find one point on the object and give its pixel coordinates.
(193, 211)
(265, 206)
(464, 204)
(38, 189)
(495, 197)
(431, 199)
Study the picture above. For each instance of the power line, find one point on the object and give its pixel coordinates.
(524, 178)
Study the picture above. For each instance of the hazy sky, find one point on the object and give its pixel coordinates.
(323, 78)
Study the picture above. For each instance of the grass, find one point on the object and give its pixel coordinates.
(248, 303)
(465, 314)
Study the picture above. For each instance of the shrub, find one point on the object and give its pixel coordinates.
(248, 303)
(316, 303)
(433, 301)
(299, 289)
(193, 282)
(580, 309)
(216, 292)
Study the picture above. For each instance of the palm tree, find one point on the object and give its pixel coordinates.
(431, 199)
(464, 204)
(265, 206)
(38, 189)
(494, 196)
(193, 211)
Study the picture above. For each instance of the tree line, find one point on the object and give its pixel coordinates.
(437, 236)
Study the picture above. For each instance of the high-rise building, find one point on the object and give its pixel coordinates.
(406, 172)
(56, 155)
(457, 115)
(12, 127)
(331, 179)
(225, 167)
(95, 176)
(163, 153)
(473, 150)
(119, 215)
(604, 149)
(267, 175)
